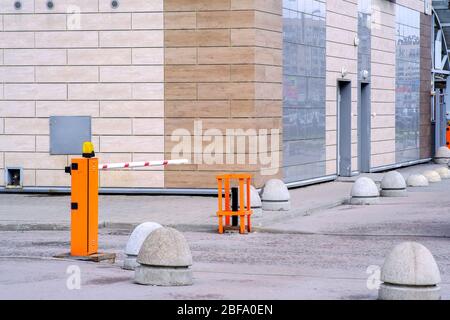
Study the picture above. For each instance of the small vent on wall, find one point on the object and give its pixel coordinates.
(14, 177)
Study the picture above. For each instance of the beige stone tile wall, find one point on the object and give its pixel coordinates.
(109, 67)
(223, 66)
(383, 83)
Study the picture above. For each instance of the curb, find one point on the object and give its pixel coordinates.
(307, 212)
(34, 227)
(121, 226)
(128, 227)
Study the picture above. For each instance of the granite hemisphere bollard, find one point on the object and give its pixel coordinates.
(443, 172)
(364, 191)
(393, 185)
(164, 260)
(255, 202)
(137, 238)
(442, 155)
(410, 272)
(417, 180)
(275, 196)
(432, 176)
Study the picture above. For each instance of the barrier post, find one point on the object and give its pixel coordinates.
(84, 203)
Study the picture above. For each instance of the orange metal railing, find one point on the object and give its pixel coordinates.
(244, 211)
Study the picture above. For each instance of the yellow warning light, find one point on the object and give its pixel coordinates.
(88, 149)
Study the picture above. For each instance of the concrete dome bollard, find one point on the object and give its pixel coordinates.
(417, 180)
(255, 201)
(364, 191)
(442, 155)
(164, 260)
(443, 172)
(137, 237)
(393, 185)
(275, 196)
(410, 273)
(432, 176)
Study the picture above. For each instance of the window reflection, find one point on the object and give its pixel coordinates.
(304, 84)
(407, 100)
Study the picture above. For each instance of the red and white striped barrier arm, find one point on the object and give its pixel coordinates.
(139, 164)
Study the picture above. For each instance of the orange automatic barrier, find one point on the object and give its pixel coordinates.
(448, 134)
(84, 203)
(84, 200)
(239, 208)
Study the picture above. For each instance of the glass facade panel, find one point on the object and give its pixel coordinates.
(364, 35)
(407, 98)
(304, 88)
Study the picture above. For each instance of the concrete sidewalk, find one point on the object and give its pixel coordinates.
(188, 213)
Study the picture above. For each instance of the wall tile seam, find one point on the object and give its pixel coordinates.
(341, 44)
(82, 30)
(227, 82)
(82, 100)
(377, 62)
(328, 26)
(355, 17)
(221, 10)
(384, 139)
(412, 5)
(375, 37)
(392, 153)
(384, 128)
(84, 82)
(64, 13)
(389, 10)
(233, 64)
(85, 47)
(225, 28)
(222, 29)
(118, 11)
(212, 12)
(260, 29)
(268, 12)
(239, 46)
(383, 32)
(349, 72)
(377, 77)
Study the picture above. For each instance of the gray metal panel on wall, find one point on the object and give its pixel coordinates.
(364, 77)
(345, 128)
(304, 89)
(364, 127)
(364, 35)
(67, 134)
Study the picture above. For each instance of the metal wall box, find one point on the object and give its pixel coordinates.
(67, 134)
